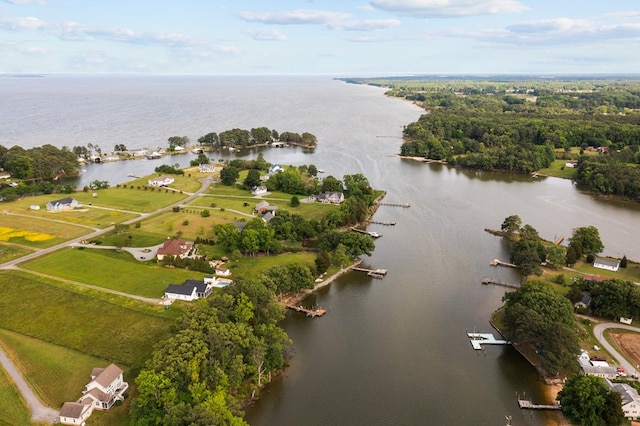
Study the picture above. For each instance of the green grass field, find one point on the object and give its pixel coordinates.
(76, 321)
(169, 223)
(13, 411)
(136, 200)
(53, 232)
(252, 267)
(109, 269)
(559, 169)
(9, 252)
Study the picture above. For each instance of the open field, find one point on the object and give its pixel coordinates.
(97, 218)
(54, 373)
(187, 183)
(77, 321)
(136, 200)
(630, 273)
(252, 267)
(110, 269)
(558, 169)
(9, 252)
(169, 223)
(13, 411)
(38, 232)
(628, 343)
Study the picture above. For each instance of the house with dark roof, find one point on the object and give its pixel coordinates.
(190, 290)
(67, 203)
(584, 302)
(175, 247)
(608, 264)
(105, 388)
(630, 399)
(74, 413)
(259, 190)
(332, 197)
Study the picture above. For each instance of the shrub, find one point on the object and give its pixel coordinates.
(590, 258)
(176, 209)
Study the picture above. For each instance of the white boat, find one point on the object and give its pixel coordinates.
(320, 171)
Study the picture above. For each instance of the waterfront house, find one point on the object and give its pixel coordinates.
(259, 190)
(604, 371)
(190, 290)
(608, 264)
(584, 302)
(630, 399)
(332, 197)
(74, 413)
(67, 203)
(275, 169)
(206, 168)
(107, 386)
(161, 181)
(174, 247)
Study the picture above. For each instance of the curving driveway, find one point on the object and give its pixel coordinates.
(598, 331)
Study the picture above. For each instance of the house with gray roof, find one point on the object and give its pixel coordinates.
(630, 399)
(67, 203)
(608, 264)
(105, 388)
(74, 413)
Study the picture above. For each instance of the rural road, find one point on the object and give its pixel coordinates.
(39, 412)
(598, 331)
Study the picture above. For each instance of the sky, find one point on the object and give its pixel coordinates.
(328, 37)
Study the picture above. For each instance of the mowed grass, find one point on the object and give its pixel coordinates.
(112, 270)
(57, 231)
(9, 252)
(88, 216)
(136, 200)
(252, 267)
(13, 411)
(169, 223)
(559, 169)
(77, 321)
(55, 374)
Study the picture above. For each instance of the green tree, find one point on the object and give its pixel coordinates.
(295, 201)
(252, 179)
(583, 399)
(229, 175)
(624, 261)
(323, 261)
(589, 239)
(331, 184)
(511, 224)
(210, 139)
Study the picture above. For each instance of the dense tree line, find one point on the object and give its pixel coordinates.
(587, 400)
(40, 163)
(608, 175)
(223, 349)
(169, 170)
(539, 318)
(612, 299)
(256, 136)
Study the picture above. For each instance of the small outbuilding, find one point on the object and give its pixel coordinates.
(608, 264)
(74, 413)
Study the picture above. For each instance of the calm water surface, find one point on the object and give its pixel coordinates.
(391, 351)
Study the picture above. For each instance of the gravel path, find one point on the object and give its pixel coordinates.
(39, 412)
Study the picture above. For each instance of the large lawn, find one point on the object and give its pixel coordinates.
(13, 411)
(78, 321)
(137, 200)
(37, 232)
(9, 252)
(252, 267)
(559, 169)
(188, 221)
(108, 269)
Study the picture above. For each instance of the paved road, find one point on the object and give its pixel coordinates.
(598, 331)
(39, 412)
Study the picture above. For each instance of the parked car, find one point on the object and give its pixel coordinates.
(598, 358)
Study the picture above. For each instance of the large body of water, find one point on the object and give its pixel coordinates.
(391, 351)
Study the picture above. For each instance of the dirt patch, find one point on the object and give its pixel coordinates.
(629, 343)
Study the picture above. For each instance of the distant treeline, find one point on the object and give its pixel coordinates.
(255, 136)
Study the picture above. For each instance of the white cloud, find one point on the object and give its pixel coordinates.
(27, 23)
(448, 8)
(366, 24)
(270, 34)
(295, 17)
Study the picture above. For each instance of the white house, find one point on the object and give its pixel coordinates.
(74, 413)
(259, 190)
(609, 265)
(630, 399)
(105, 388)
(191, 290)
(67, 203)
(606, 372)
(275, 169)
(206, 168)
(161, 181)
(330, 197)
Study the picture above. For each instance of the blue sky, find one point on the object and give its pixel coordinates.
(335, 37)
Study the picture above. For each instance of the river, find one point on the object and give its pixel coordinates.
(391, 351)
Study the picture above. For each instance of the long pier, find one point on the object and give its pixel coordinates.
(498, 262)
(375, 273)
(525, 403)
(378, 222)
(369, 233)
(310, 312)
(487, 280)
(405, 205)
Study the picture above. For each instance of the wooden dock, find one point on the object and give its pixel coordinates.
(479, 339)
(375, 273)
(487, 280)
(525, 403)
(498, 262)
(559, 241)
(310, 312)
(377, 222)
(372, 234)
(405, 205)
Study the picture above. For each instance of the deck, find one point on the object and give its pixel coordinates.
(310, 312)
(526, 404)
(479, 339)
(375, 273)
(487, 280)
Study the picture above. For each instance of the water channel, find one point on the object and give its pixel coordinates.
(391, 351)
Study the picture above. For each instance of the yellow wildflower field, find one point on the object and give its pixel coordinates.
(7, 234)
